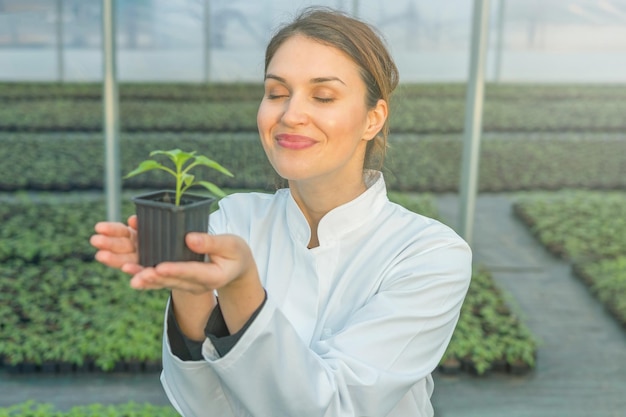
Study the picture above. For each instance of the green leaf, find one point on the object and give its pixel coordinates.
(176, 155)
(148, 165)
(214, 189)
(203, 160)
(188, 179)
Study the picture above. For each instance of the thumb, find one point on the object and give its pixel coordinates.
(227, 246)
(200, 242)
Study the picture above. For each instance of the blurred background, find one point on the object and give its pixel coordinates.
(167, 40)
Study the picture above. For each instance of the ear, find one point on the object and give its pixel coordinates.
(376, 119)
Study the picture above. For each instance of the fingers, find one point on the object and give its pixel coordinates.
(131, 268)
(113, 236)
(116, 260)
(209, 275)
(230, 255)
(187, 280)
(227, 246)
(113, 229)
(115, 243)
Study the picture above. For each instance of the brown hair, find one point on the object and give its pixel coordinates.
(363, 44)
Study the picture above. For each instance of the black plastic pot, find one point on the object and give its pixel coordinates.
(162, 226)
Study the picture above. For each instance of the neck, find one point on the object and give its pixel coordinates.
(317, 199)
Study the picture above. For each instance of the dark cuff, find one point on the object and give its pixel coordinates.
(182, 347)
(217, 331)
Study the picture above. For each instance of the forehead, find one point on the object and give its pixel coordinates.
(302, 54)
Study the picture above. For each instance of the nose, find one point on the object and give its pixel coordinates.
(295, 111)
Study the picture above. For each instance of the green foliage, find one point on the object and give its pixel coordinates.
(52, 229)
(183, 162)
(488, 333)
(414, 162)
(58, 306)
(589, 228)
(76, 312)
(223, 92)
(607, 279)
(34, 409)
(416, 108)
(578, 225)
(78, 164)
(524, 146)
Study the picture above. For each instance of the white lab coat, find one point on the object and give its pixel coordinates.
(351, 328)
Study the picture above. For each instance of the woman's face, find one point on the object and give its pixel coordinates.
(313, 120)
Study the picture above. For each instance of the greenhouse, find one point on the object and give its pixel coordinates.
(507, 126)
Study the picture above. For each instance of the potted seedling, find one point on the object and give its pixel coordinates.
(165, 217)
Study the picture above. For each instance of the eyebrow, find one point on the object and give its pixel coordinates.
(316, 80)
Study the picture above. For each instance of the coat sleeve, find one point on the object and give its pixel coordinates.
(390, 344)
(192, 384)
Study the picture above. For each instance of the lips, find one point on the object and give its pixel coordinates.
(295, 142)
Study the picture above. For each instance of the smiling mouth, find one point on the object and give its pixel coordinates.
(294, 141)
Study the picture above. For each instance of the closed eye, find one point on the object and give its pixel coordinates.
(324, 99)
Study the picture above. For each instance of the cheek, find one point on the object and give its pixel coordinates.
(350, 121)
(261, 117)
(267, 117)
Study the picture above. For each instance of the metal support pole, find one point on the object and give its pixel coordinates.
(499, 40)
(60, 43)
(207, 41)
(473, 118)
(111, 113)
(355, 8)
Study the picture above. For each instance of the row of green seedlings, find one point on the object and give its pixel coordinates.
(419, 114)
(76, 315)
(489, 336)
(589, 229)
(414, 163)
(37, 409)
(252, 91)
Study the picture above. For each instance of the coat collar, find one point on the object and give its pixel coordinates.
(343, 219)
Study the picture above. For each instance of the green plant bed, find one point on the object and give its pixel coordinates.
(425, 163)
(64, 115)
(76, 315)
(417, 108)
(63, 314)
(77, 160)
(50, 230)
(24, 91)
(607, 281)
(509, 162)
(589, 229)
(36, 409)
(489, 336)
(578, 225)
(251, 91)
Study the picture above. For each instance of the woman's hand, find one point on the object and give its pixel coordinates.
(117, 245)
(230, 260)
(231, 271)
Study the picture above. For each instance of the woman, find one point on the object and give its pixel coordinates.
(333, 301)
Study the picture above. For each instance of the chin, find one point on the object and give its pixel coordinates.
(292, 173)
